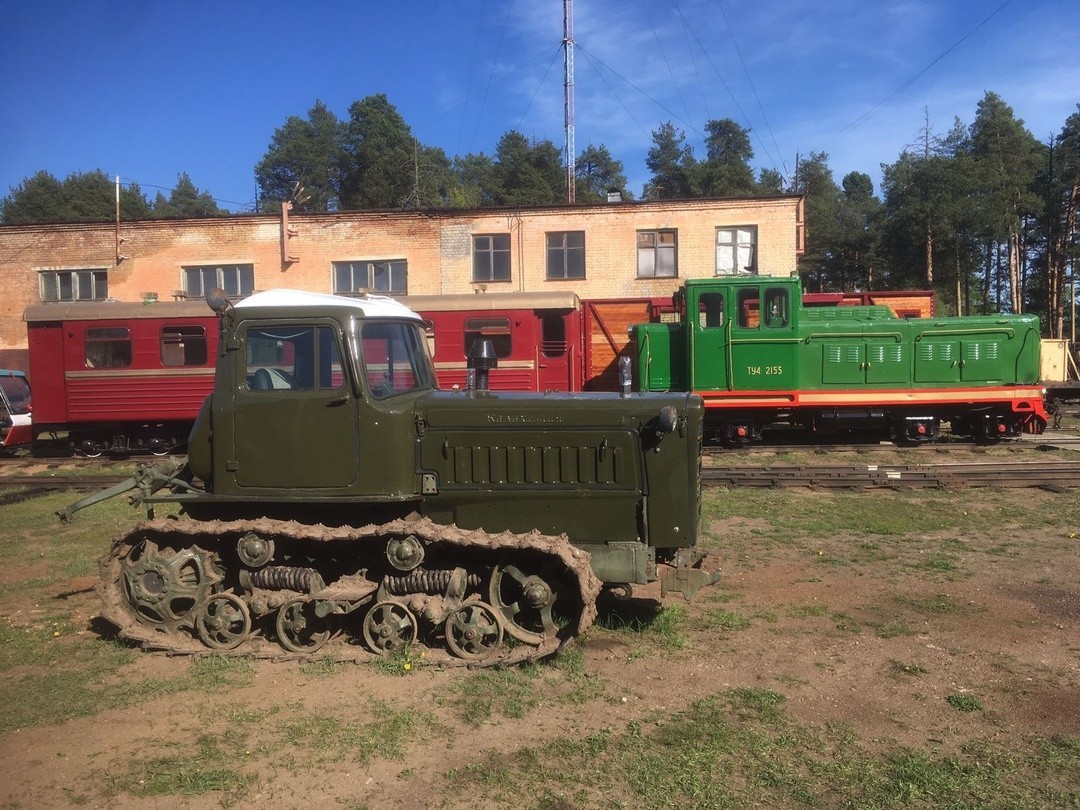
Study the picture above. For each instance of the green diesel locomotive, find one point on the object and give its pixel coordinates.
(758, 357)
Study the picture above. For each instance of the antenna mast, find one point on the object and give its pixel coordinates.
(568, 84)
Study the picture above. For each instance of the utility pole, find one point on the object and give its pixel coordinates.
(568, 86)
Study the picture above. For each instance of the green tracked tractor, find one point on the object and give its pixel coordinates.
(333, 501)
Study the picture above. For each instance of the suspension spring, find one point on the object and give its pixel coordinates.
(287, 578)
(424, 581)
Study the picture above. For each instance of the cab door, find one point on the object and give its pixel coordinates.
(295, 412)
(763, 339)
(708, 333)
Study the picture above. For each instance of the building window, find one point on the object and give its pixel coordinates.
(491, 257)
(351, 278)
(183, 346)
(74, 285)
(736, 251)
(656, 254)
(108, 347)
(497, 330)
(566, 255)
(237, 280)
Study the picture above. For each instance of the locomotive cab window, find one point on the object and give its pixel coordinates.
(748, 310)
(553, 336)
(108, 347)
(296, 358)
(183, 346)
(497, 330)
(776, 308)
(711, 310)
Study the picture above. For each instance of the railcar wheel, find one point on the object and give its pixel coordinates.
(523, 602)
(389, 626)
(296, 625)
(224, 621)
(473, 631)
(164, 587)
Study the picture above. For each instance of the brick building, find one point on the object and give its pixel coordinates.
(611, 250)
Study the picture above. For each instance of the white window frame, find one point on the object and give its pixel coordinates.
(736, 250)
(236, 278)
(365, 276)
(658, 253)
(83, 283)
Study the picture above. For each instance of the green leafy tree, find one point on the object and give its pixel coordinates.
(81, 197)
(672, 164)
(597, 173)
(474, 182)
(527, 173)
(186, 201)
(770, 181)
(726, 171)
(855, 253)
(818, 263)
(379, 155)
(1060, 190)
(1006, 158)
(304, 153)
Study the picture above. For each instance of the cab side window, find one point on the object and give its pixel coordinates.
(776, 308)
(294, 358)
(711, 310)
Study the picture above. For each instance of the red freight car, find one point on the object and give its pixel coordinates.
(536, 336)
(120, 377)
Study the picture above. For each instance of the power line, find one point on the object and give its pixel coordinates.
(912, 80)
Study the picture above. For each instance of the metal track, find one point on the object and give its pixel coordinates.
(1047, 474)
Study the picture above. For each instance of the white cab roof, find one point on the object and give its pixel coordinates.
(370, 306)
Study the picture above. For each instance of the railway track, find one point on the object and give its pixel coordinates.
(1045, 474)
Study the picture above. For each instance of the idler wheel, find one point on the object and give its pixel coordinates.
(297, 624)
(389, 626)
(404, 553)
(473, 631)
(523, 603)
(164, 587)
(254, 551)
(224, 621)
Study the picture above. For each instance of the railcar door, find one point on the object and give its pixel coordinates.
(553, 353)
(295, 413)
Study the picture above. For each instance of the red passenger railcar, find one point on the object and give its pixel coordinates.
(120, 377)
(536, 337)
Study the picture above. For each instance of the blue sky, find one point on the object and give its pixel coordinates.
(146, 90)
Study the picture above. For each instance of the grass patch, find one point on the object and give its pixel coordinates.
(964, 703)
(740, 748)
(184, 773)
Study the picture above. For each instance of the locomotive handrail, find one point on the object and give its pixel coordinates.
(897, 336)
(1007, 330)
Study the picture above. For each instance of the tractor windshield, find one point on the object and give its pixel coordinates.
(395, 358)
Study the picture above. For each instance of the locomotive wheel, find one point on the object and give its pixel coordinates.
(164, 587)
(295, 624)
(523, 602)
(224, 621)
(389, 626)
(473, 631)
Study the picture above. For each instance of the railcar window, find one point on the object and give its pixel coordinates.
(776, 308)
(553, 336)
(183, 346)
(491, 257)
(566, 255)
(294, 358)
(108, 347)
(497, 330)
(711, 310)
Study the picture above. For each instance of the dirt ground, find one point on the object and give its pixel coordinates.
(851, 632)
